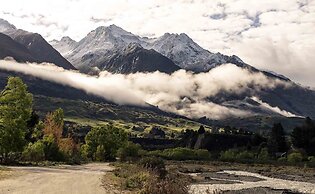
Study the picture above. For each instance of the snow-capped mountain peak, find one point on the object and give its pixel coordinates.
(65, 45)
(183, 51)
(113, 34)
(108, 40)
(67, 39)
(6, 26)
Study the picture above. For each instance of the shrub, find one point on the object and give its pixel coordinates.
(51, 149)
(131, 176)
(84, 152)
(168, 185)
(148, 180)
(179, 154)
(311, 161)
(233, 155)
(34, 152)
(263, 155)
(228, 155)
(136, 180)
(182, 154)
(70, 150)
(153, 163)
(295, 157)
(129, 151)
(245, 156)
(202, 154)
(282, 159)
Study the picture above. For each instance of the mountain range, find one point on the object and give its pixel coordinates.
(105, 43)
(115, 50)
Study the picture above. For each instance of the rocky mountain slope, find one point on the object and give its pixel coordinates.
(11, 48)
(113, 49)
(134, 58)
(104, 41)
(37, 46)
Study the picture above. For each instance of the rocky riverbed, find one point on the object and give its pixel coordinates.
(246, 182)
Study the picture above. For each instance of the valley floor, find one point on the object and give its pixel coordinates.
(207, 177)
(83, 179)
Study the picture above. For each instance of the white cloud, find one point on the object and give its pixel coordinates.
(181, 92)
(274, 109)
(247, 28)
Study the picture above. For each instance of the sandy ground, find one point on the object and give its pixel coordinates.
(83, 179)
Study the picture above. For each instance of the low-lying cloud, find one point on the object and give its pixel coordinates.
(274, 109)
(182, 92)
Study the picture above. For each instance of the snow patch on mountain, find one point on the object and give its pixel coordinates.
(6, 26)
(102, 41)
(65, 46)
(183, 51)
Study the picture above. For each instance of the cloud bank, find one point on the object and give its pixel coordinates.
(182, 92)
(269, 34)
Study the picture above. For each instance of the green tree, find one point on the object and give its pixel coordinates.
(34, 152)
(304, 136)
(51, 149)
(32, 125)
(201, 130)
(129, 151)
(276, 141)
(15, 111)
(102, 143)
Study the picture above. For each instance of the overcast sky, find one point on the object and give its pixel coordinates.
(277, 35)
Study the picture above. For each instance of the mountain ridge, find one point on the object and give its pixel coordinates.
(39, 48)
(179, 48)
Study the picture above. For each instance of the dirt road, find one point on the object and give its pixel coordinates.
(83, 179)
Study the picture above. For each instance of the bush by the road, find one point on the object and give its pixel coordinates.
(295, 157)
(168, 184)
(34, 152)
(129, 151)
(152, 163)
(181, 153)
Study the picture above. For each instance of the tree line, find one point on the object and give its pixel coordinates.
(24, 137)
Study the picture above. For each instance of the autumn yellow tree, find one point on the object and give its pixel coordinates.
(54, 124)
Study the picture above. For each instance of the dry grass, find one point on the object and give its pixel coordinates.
(171, 184)
(132, 178)
(125, 179)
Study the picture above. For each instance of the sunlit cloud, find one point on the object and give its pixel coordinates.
(253, 30)
(182, 92)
